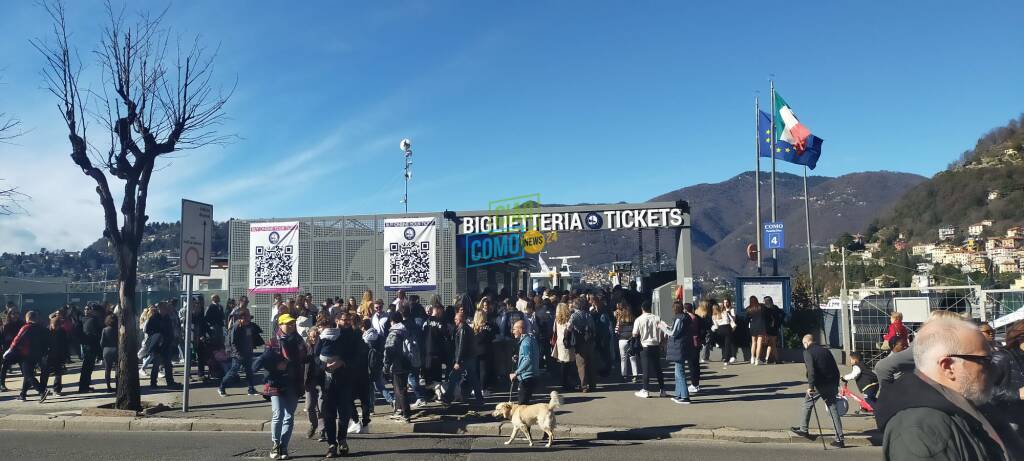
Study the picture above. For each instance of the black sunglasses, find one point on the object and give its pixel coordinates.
(984, 360)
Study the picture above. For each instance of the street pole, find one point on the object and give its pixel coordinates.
(844, 315)
(757, 182)
(775, 254)
(406, 146)
(188, 345)
(810, 261)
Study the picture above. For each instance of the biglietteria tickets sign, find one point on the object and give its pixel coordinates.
(570, 221)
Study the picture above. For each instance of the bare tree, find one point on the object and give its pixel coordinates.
(9, 129)
(157, 98)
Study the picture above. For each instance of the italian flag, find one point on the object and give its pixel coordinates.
(787, 127)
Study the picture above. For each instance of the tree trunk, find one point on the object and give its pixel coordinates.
(128, 394)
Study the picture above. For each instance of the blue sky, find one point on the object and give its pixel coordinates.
(580, 101)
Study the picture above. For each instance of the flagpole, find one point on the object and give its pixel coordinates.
(807, 215)
(757, 181)
(775, 255)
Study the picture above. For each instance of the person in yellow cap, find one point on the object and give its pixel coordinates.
(284, 364)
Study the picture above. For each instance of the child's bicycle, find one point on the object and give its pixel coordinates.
(846, 393)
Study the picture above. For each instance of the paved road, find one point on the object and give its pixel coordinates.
(123, 446)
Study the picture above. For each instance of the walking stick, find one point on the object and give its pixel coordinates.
(821, 434)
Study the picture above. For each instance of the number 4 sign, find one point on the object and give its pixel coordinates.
(774, 235)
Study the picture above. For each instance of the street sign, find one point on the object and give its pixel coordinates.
(774, 235)
(196, 237)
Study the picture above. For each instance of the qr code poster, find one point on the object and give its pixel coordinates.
(410, 254)
(274, 257)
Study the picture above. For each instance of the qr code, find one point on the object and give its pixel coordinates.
(274, 265)
(410, 263)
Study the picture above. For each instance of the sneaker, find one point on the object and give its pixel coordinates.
(801, 432)
(332, 451)
(343, 449)
(161, 375)
(643, 394)
(439, 392)
(46, 393)
(252, 391)
(838, 444)
(58, 393)
(486, 393)
(693, 389)
(354, 427)
(221, 393)
(418, 404)
(732, 359)
(680, 401)
(323, 437)
(663, 394)
(703, 361)
(275, 452)
(22, 398)
(284, 454)
(143, 374)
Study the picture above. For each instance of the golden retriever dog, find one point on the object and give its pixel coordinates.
(523, 417)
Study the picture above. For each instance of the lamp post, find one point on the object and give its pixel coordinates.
(406, 146)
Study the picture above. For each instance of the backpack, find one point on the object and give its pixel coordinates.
(411, 351)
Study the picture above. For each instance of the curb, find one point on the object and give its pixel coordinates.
(492, 429)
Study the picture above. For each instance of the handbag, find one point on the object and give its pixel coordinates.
(634, 346)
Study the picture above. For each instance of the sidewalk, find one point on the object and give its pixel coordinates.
(742, 403)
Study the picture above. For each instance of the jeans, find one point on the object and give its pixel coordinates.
(419, 391)
(233, 372)
(629, 364)
(830, 402)
(401, 395)
(585, 366)
(377, 376)
(362, 390)
(28, 379)
(681, 391)
(466, 372)
(651, 356)
(283, 418)
(109, 363)
(337, 410)
(526, 388)
(694, 362)
(161, 360)
(89, 355)
(313, 407)
(52, 369)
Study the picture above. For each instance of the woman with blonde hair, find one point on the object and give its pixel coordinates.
(365, 310)
(722, 326)
(564, 355)
(623, 331)
(484, 332)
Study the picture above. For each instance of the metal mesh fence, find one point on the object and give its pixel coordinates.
(338, 256)
(870, 309)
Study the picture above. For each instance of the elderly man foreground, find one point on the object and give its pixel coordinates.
(935, 412)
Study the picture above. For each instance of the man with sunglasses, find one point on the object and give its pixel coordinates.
(938, 411)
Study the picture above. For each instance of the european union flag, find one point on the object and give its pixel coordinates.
(783, 150)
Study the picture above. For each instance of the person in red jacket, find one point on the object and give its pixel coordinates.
(30, 344)
(898, 335)
(12, 325)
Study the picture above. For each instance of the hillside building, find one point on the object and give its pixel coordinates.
(975, 230)
(947, 233)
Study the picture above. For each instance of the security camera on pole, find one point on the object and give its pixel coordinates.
(406, 146)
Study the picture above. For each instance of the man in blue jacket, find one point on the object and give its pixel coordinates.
(527, 363)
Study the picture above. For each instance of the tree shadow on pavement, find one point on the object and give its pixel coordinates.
(642, 433)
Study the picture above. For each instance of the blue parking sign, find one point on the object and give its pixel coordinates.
(774, 235)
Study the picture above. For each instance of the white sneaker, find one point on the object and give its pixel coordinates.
(439, 392)
(354, 427)
(732, 359)
(693, 389)
(642, 394)
(663, 394)
(162, 375)
(753, 362)
(703, 361)
(418, 404)
(143, 374)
